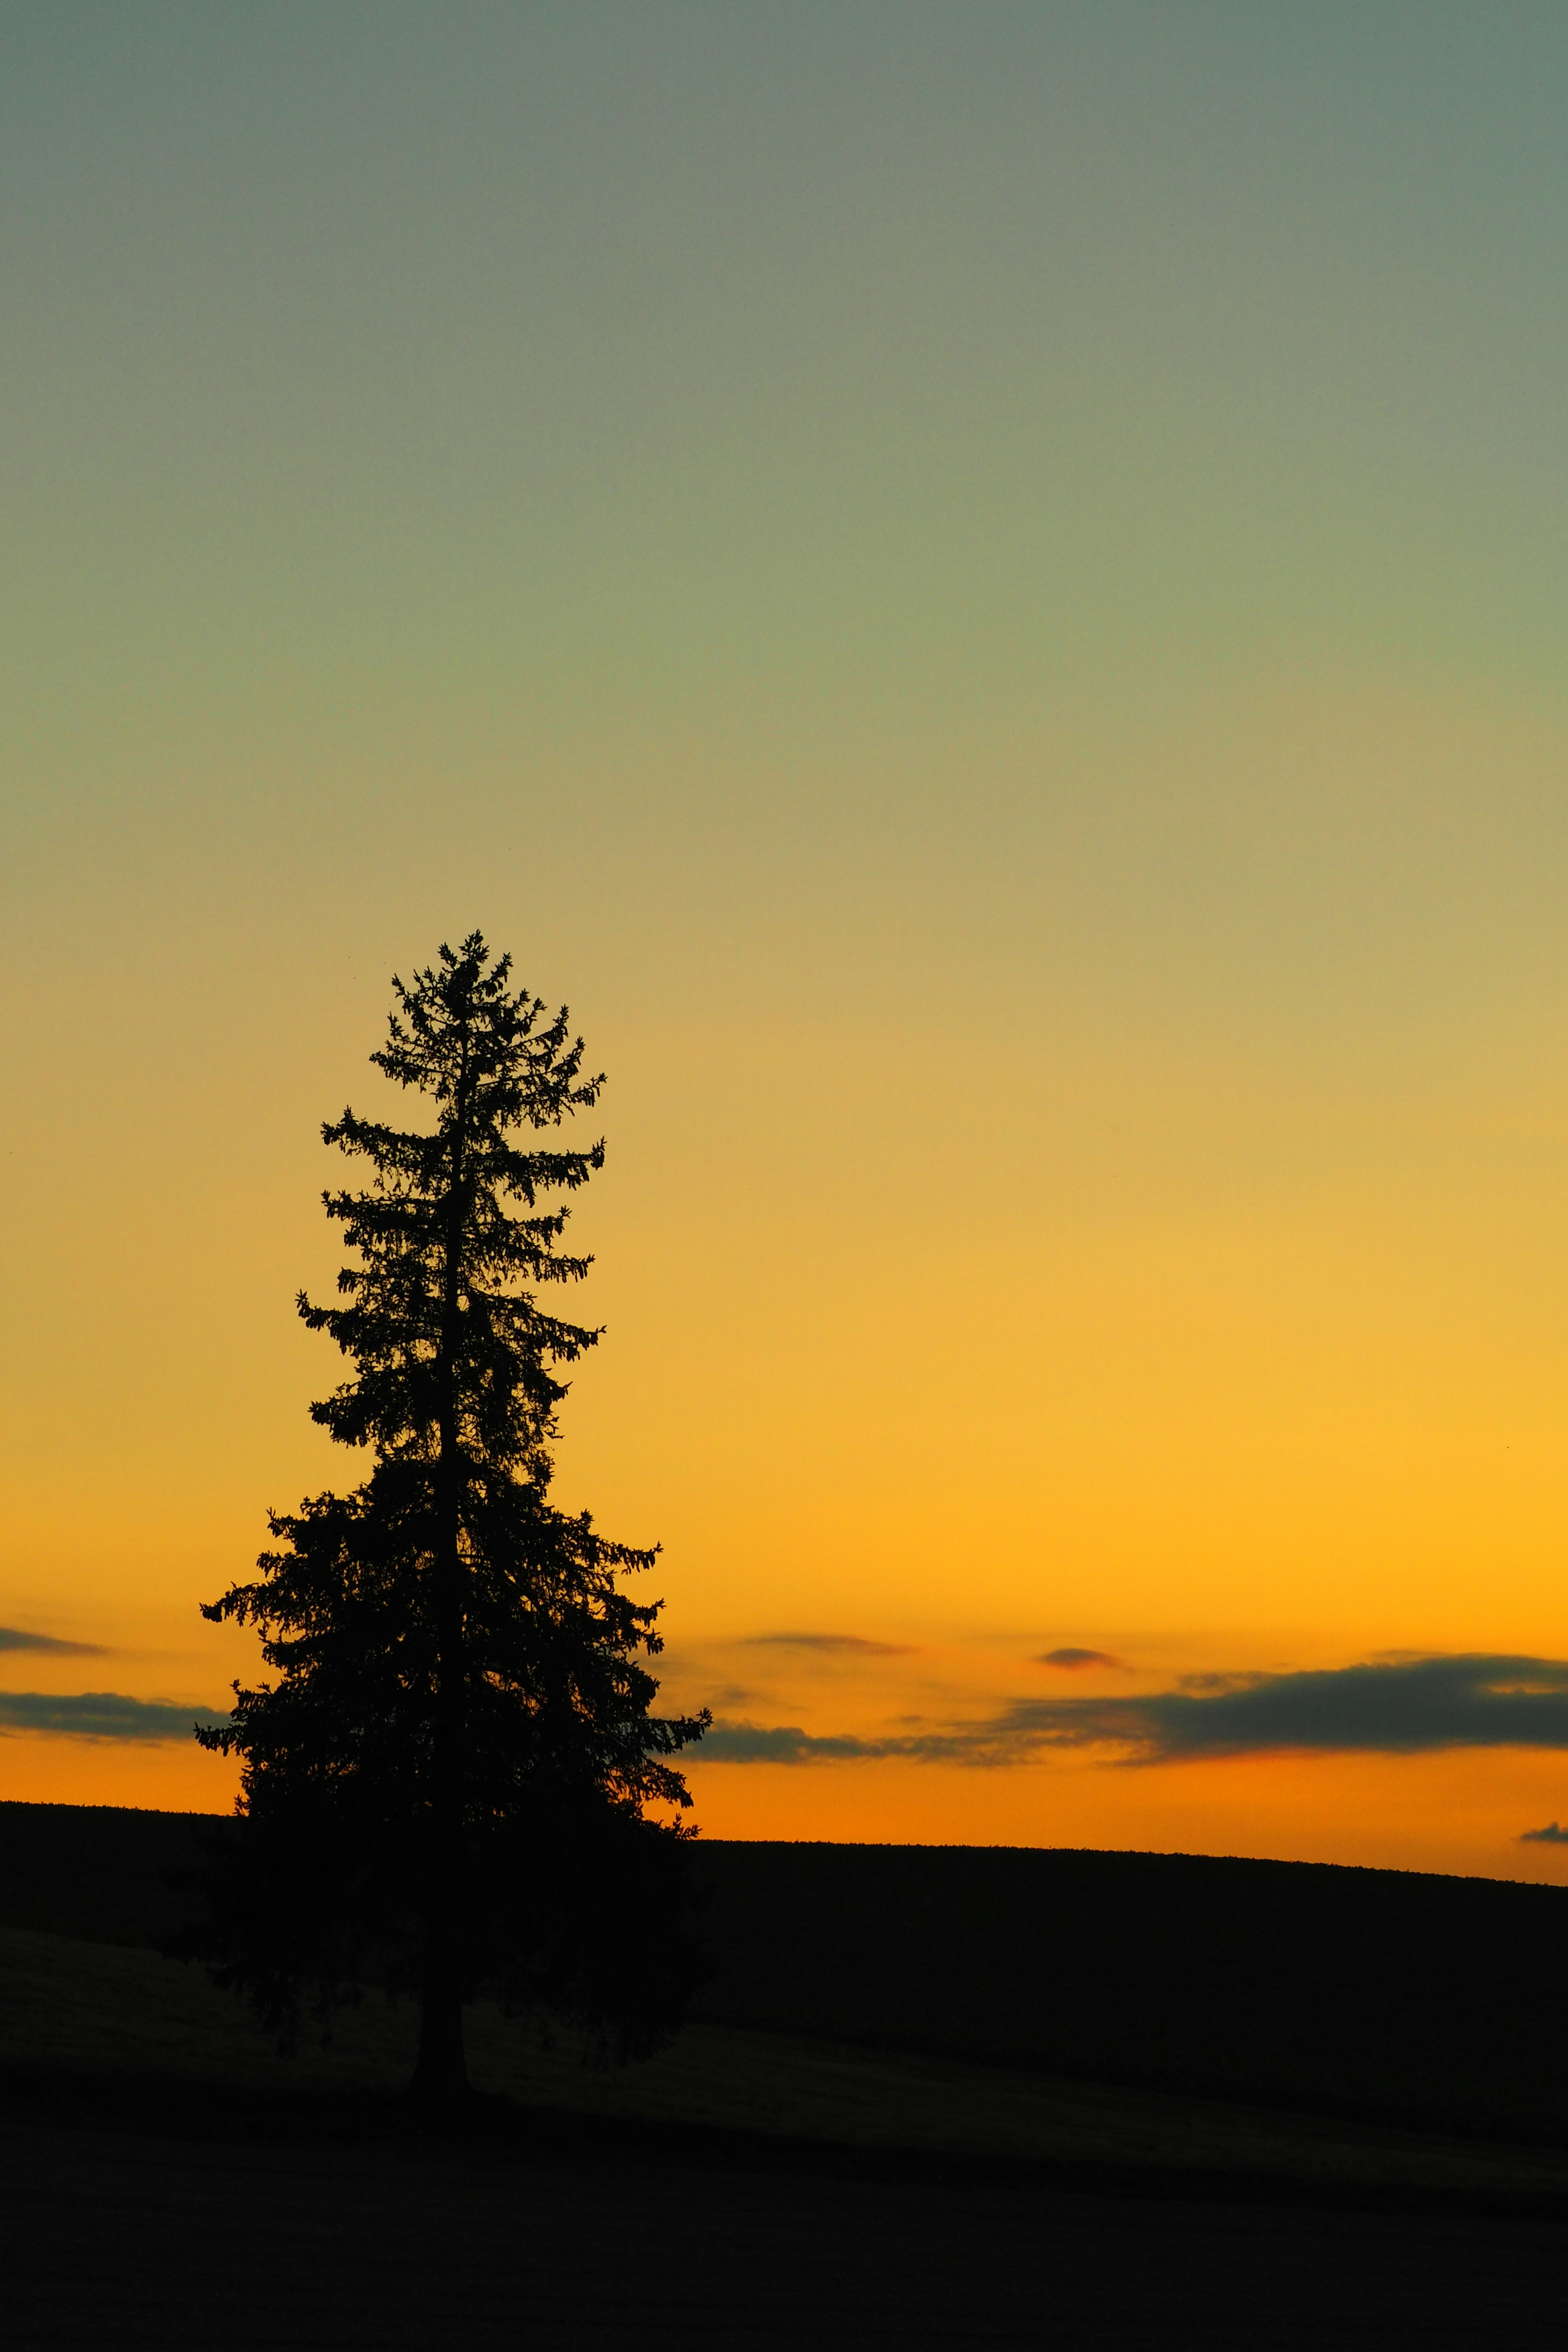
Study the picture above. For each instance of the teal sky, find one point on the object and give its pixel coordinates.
(553, 355)
(646, 431)
(983, 590)
(501, 370)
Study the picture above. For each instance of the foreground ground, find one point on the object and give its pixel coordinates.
(163, 2175)
(120, 2238)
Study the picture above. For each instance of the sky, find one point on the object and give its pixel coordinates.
(982, 592)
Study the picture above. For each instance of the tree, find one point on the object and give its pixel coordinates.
(448, 1779)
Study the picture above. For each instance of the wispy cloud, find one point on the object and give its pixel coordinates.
(755, 1743)
(100, 1715)
(1398, 1706)
(1550, 1835)
(11, 1637)
(849, 1645)
(1075, 1661)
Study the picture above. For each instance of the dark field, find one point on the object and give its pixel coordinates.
(117, 2239)
(935, 2096)
(1381, 1994)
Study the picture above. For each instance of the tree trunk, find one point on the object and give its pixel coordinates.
(440, 2073)
(441, 2070)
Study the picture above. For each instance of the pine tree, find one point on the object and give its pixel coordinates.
(447, 1778)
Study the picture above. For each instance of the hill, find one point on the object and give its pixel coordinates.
(873, 2133)
(1406, 1998)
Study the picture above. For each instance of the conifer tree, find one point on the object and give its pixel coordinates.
(447, 1778)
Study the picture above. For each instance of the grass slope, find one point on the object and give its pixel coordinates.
(81, 2022)
(1388, 1994)
(1379, 1997)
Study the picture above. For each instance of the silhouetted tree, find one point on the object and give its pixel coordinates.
(446, 1779)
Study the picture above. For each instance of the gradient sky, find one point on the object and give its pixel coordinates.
(982, 592)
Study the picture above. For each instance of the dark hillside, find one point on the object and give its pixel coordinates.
(1441, 2000)
(1383, 1993)
(99, 1872)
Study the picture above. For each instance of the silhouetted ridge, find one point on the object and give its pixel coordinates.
(1376, 1992)
(1379, 1993)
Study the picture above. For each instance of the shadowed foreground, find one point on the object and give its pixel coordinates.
(165, 2177)
(895, 2135)
(117, 2238)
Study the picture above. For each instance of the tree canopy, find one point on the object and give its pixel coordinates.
(447, 1780)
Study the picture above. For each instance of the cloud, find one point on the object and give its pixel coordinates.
(1387, 1707)
(852, 1644)
(12, 1638)
(1073, 1660)
(1402, 1707)
(100, 1715)
(755, 1743)
(1550, 1835)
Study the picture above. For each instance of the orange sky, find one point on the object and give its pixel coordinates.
(1013, 682)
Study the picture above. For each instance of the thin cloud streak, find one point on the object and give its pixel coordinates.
(849, 1645)
(101, 1714)
(1402, 1707)
(11, 1637)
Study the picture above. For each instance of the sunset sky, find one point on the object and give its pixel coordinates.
(982, 592)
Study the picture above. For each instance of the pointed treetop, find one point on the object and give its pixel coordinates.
(457, 1026)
